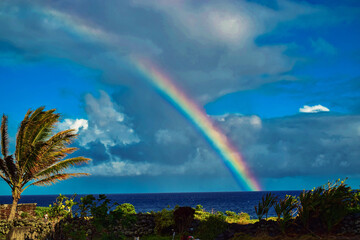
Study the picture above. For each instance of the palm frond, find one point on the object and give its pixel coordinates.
(60, 166)
(44, 126)
(11, 167)
(57, 144)
(4, 137)
(39, 128)
(20, 137)
(3, 168)
(55, 178)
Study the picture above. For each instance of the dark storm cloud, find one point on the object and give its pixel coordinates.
(300, 145)
(314, 144)
(209, 48)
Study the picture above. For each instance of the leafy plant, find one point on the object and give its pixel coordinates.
(62, 207)
(39, 154)
(241, 218)
(103, 219)
(125, 213)
(214, 225)
(285, 210)
(328, 204)
(85, 205)
(200, 213)
(41, 211)
(164, 221)
(126, 208)
(264, 206)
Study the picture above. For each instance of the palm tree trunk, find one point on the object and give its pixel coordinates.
(16, 197)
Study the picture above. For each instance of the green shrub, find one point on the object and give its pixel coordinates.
(62, 207)
(285, 210)
(214, 225)
(41, 211)
(264, 206)
(164, 221)
(126, 208)
(200, 213)
(328, 204)
(230, 214)
(241, 218)
(85, 205)
(124, 213)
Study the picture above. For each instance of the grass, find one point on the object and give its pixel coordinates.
(41, 211)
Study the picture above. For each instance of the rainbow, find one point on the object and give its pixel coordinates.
(230, 156)
(166, 86)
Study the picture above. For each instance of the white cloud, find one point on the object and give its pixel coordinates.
(313, 109)
(76, 124)
(106, 123)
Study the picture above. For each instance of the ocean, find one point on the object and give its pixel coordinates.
(146, 202)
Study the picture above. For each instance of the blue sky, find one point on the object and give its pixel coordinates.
(281, 79)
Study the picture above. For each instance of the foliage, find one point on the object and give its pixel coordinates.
(126, 208)
(328, 204)
(62, 207)
(85, 205)
(124, 213)
(78, 232)
(39, 154)
(285, 210)
(354, 206)
(241, 218)
(102, 215)
(99, 215)
(164, 221)
(264, 206)
(214, 225)
(41, 211)
(200, 213)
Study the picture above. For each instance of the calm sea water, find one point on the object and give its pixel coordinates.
(211, 201)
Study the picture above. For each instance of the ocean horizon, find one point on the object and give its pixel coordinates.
(147, 202)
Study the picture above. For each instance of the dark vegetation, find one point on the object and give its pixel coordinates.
(331, 211)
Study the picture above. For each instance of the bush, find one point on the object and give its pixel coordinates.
(164, 221)
(264, 206)
(62, 207)
(41, 211)
(327, 204)
(214, 225)
(200, 213)
(126, 208)
(241, 218)
(285, 210)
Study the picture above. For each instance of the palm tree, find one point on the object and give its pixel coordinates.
(39, 153)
